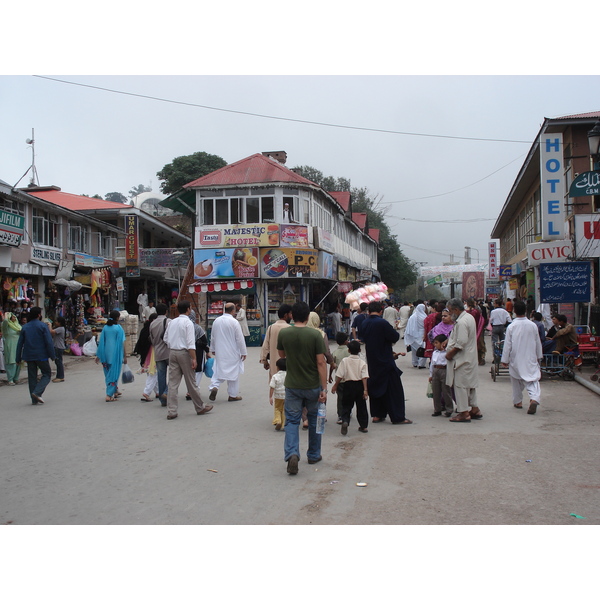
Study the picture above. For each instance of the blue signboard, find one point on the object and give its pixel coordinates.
(565, 282)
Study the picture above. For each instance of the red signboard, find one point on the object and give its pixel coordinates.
(473, 285)
(131, 241)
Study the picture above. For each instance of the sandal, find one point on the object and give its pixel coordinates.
(405, 422)
(304, 424)
(110, 399)
(378, 419)
(532, 407)
(520, 405)
(463, 417)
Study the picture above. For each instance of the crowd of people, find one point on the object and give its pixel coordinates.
(444, 337)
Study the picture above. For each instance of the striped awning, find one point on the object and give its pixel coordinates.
(220, 286)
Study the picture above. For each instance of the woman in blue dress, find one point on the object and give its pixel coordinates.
(111, 353)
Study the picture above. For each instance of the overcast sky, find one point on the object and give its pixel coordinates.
(90, 141)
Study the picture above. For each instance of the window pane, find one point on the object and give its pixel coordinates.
(222, 211)
(235, 211)
(208, 212)
(252, 210)
(268, 211)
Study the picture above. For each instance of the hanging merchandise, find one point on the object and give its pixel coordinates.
(369, 293)
(16, 288)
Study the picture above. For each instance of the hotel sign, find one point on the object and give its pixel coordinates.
(131, 241)
(238, 236)
(552, 186)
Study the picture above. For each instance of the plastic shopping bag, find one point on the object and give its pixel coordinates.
(90, 347)
(208, 367)
(430, 390)
(127, 375)
(75, 349)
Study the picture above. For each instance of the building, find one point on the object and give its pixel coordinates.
(549, 228)
(266, 235)
(150, 255)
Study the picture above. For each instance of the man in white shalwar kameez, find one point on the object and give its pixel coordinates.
(522, 353)
(462, 363)
(390, 314)
(229, 349)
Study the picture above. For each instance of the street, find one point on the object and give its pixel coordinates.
(79, 460)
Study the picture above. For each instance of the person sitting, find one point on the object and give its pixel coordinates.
(565, 337)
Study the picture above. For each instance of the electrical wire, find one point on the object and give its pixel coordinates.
(307, 122)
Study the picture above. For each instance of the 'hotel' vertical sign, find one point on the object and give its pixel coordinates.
(131, 241)
(552, 186)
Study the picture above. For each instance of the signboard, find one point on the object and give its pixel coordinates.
(505, 271)
(473, 285)
(326, 266)
(164, 257)
(132, 272)
(293, 236)
(46, 254)
(120, 286)
(323, 239)
(86, 260)
(565, 282)
(544, 252)
(587, 235)
(11, 228)
(251, 235)
(225, 263)
(492, 260)
(433, 281)
(552, 186)
(345, 286)
(131, 241)
(288, 262)
(585, 184)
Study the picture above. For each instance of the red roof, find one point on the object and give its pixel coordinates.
(73, 201)
(343, 199)
(590, 115)
(253, 169)
(360, 219)
(374, 234)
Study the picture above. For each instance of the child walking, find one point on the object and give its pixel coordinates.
(277, 394)
(58, 336)
(353, 373)
(442, 393)
(339, 353)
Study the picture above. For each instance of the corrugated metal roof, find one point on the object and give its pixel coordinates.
(75, 202)
(251, 170)
(374, 234)
(343, 199)
(590, 115)
(360, 219)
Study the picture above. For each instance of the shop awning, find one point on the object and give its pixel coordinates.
(220, 286)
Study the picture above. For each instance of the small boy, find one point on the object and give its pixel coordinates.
(339, 353)
(353, 373)
(442, 393)
(58, 336)
(277, 393)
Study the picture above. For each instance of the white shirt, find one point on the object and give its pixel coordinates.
(499, 316)
(352, 368)
(438, 358)
(522, 350)
(148, 310)
(180, 334)
(142, 300)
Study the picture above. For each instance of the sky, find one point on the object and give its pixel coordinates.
(461, 69)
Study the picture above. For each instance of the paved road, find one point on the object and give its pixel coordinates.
(80, 460)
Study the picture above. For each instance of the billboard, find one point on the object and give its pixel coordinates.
(288, 262)
(473, 285)
(223, 263)
(252, 235)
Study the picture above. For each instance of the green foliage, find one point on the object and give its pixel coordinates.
(329, 184)
(185, 169)
(115, 197)
(136, 190)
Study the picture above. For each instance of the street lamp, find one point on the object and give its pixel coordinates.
(468, 254)
(594, 143)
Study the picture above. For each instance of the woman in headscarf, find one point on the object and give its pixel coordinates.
(202, 350)
(111, 353)
(145, 350)
(479, 323)
(413, 336)
(444, 327)
(11, 330)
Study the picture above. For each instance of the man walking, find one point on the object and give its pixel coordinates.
(229, 350)
(462, 362)
(403, 315)
(268, 351)
(522, 353)
(390, 314)
(161, 351)
(35, 346)
(386, 392)
(305, 384)
(180, 337)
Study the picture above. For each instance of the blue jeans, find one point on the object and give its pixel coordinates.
(295, 399)
(161, 372)
(38, 387)
(60, 367)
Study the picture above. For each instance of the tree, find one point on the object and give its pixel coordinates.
(115, 197)
(397, 271)
(136, 190)
(185, 169)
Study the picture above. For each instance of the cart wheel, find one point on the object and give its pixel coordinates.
(493, 373)
(568, 375)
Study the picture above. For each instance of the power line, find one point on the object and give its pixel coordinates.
(250, 114)
(440, 221)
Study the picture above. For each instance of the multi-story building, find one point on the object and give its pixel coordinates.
(266, 235)
(551, 217)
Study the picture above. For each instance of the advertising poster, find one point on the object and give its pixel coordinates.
(226, 263)
(253, 235)
(289, 262)
(473, 285)
(326, 265)
(164, 257)
(294, 236)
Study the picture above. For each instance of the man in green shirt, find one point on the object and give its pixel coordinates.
(305, 384)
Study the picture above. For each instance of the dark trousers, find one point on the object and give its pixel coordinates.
(161, 373)
(354, 395)
(340, 399)
(38, 387)
(60, 366)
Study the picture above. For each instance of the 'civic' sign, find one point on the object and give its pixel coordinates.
(546, 252)
(552, 186)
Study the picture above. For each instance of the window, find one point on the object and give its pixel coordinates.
(78, 238)
(46, 228)
(12, 206)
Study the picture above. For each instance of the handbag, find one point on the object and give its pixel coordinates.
(208, 367)
(127, 375)
(420, 352)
